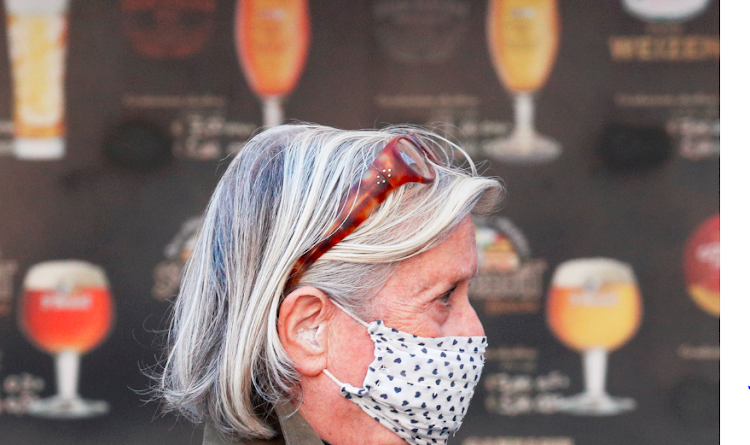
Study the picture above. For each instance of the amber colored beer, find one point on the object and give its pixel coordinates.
(66, 306)
(38, 74)
(594, 303)
(272, 43)
(523, 36)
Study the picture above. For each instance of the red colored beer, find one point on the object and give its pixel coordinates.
(66, 306)
(56, 321)
(702, 266)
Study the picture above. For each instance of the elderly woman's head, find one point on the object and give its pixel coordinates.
(254, 326)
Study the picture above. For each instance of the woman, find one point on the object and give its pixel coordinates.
(326, 297)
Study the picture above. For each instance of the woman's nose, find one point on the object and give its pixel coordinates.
(468, 323)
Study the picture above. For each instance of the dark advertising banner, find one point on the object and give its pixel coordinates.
(599, 279)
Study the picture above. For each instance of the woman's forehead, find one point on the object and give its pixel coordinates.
(451, 261)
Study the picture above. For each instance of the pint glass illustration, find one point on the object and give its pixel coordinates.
(66, 310)
(272, 38)
(523, 36)
(594, 307)
(37, 36)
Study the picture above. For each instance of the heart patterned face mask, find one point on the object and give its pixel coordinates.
(418, 387)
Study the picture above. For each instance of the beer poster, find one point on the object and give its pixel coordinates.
(599, 278)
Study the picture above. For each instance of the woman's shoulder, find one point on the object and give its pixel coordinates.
(211, 436)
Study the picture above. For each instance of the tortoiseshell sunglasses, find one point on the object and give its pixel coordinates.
(403, 160)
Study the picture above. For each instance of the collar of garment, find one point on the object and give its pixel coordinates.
(294, 431)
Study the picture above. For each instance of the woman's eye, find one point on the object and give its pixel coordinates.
(445, 298)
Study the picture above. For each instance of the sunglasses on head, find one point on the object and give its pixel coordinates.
(403, 160)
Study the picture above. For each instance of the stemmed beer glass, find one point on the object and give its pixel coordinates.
(594, 307)
(66, 310)
(523, 37)
(272, 38)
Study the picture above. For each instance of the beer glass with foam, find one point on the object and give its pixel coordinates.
(703, 266)
(665, 10)
(523, 36)
(272, 38)
(594, 307)
(37, 35)
(66, 310)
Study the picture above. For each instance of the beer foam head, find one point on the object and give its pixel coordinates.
(65, 273)
(580, 271)
(666, 9)
(36, 7)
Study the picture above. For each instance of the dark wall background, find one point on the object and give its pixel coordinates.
(358, 75)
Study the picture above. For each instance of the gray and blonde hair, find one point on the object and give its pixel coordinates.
(225, 363)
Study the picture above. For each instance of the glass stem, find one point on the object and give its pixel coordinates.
(595, 371)
(273, 113)
(524, 114)
(66, 370)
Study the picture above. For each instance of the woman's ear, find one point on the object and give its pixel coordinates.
(303, 326)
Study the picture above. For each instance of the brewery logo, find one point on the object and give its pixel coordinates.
(702, 266)
(167, 29)
(509, 280)
(8, 269)
(177, 252)
(664, 39)
(421, 32)
(659, 48)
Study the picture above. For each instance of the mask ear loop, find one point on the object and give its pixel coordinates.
(363, 323)
(335, 380)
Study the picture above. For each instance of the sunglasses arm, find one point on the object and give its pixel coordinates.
(387, 173)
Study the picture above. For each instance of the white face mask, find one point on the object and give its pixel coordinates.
(418, 387)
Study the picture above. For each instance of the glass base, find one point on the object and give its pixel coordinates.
(523, 149)
(41, 149)
(65, 408)
(585, 404)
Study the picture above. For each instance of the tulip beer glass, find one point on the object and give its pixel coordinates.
(594, 306)
(703, 266)
(272, 38)
(523, 37)
(66, 310)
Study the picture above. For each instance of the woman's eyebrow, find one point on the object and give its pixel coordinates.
(452, 288)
